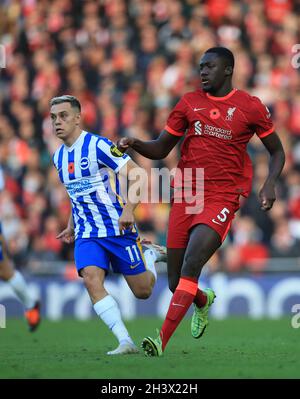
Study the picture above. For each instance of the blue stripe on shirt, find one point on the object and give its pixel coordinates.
(118, 190)
(70, 162)
(114, 197)
(118, 205)
(90, 219)
(80, 221)
(59, 164)
(110, 231)
(85, 153)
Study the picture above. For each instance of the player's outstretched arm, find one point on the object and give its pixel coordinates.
(153, 149)
(67, 235)
(277, 158)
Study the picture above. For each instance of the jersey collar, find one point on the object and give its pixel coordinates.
(78, 140)
(231, 93)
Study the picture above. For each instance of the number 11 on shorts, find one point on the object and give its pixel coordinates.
(133, 253)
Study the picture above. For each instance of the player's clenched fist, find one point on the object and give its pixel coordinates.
(267, 196)
(126, 220)
(124, 143)
(67, 236)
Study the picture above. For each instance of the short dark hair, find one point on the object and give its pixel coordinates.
(66, 99)
(223, 53)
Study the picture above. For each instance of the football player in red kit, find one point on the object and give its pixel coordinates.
(217, 121)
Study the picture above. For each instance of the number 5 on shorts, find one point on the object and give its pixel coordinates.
(222, 216)
(224, 213)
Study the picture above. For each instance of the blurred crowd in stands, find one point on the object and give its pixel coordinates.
(128, 62)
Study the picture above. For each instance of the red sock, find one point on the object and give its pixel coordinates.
(179, 305)
(200, 299)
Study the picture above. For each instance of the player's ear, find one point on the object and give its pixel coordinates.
(78, 118)
(228, 70)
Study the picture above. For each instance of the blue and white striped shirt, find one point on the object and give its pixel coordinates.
(89, 170)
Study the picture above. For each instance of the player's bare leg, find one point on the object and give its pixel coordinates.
(203, 242)
(142, 284)
(107, 309)
(18, 284)
(174, 263)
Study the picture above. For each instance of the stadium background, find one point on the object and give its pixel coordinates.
(128, 62)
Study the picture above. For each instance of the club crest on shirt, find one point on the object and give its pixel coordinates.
(230, 113)
(84, 163)
(115, 151)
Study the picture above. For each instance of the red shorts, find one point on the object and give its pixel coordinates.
(216, 211)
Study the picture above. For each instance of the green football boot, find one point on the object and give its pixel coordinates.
(200, 315)
(152, 346)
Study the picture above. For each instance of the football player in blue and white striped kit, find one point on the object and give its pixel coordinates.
(100, 224)
(17, 282)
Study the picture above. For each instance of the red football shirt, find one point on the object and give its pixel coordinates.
(217, 130)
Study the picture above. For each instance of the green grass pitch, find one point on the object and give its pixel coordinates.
(232, 348)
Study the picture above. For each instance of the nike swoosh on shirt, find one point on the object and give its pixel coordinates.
(214, 221)
(198, 109)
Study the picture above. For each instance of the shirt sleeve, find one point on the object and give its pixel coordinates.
(261, 118)
(177, 122)
(109, 155)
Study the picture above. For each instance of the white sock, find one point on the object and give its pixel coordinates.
(150, 259)
(108, 310)
(19, 286)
